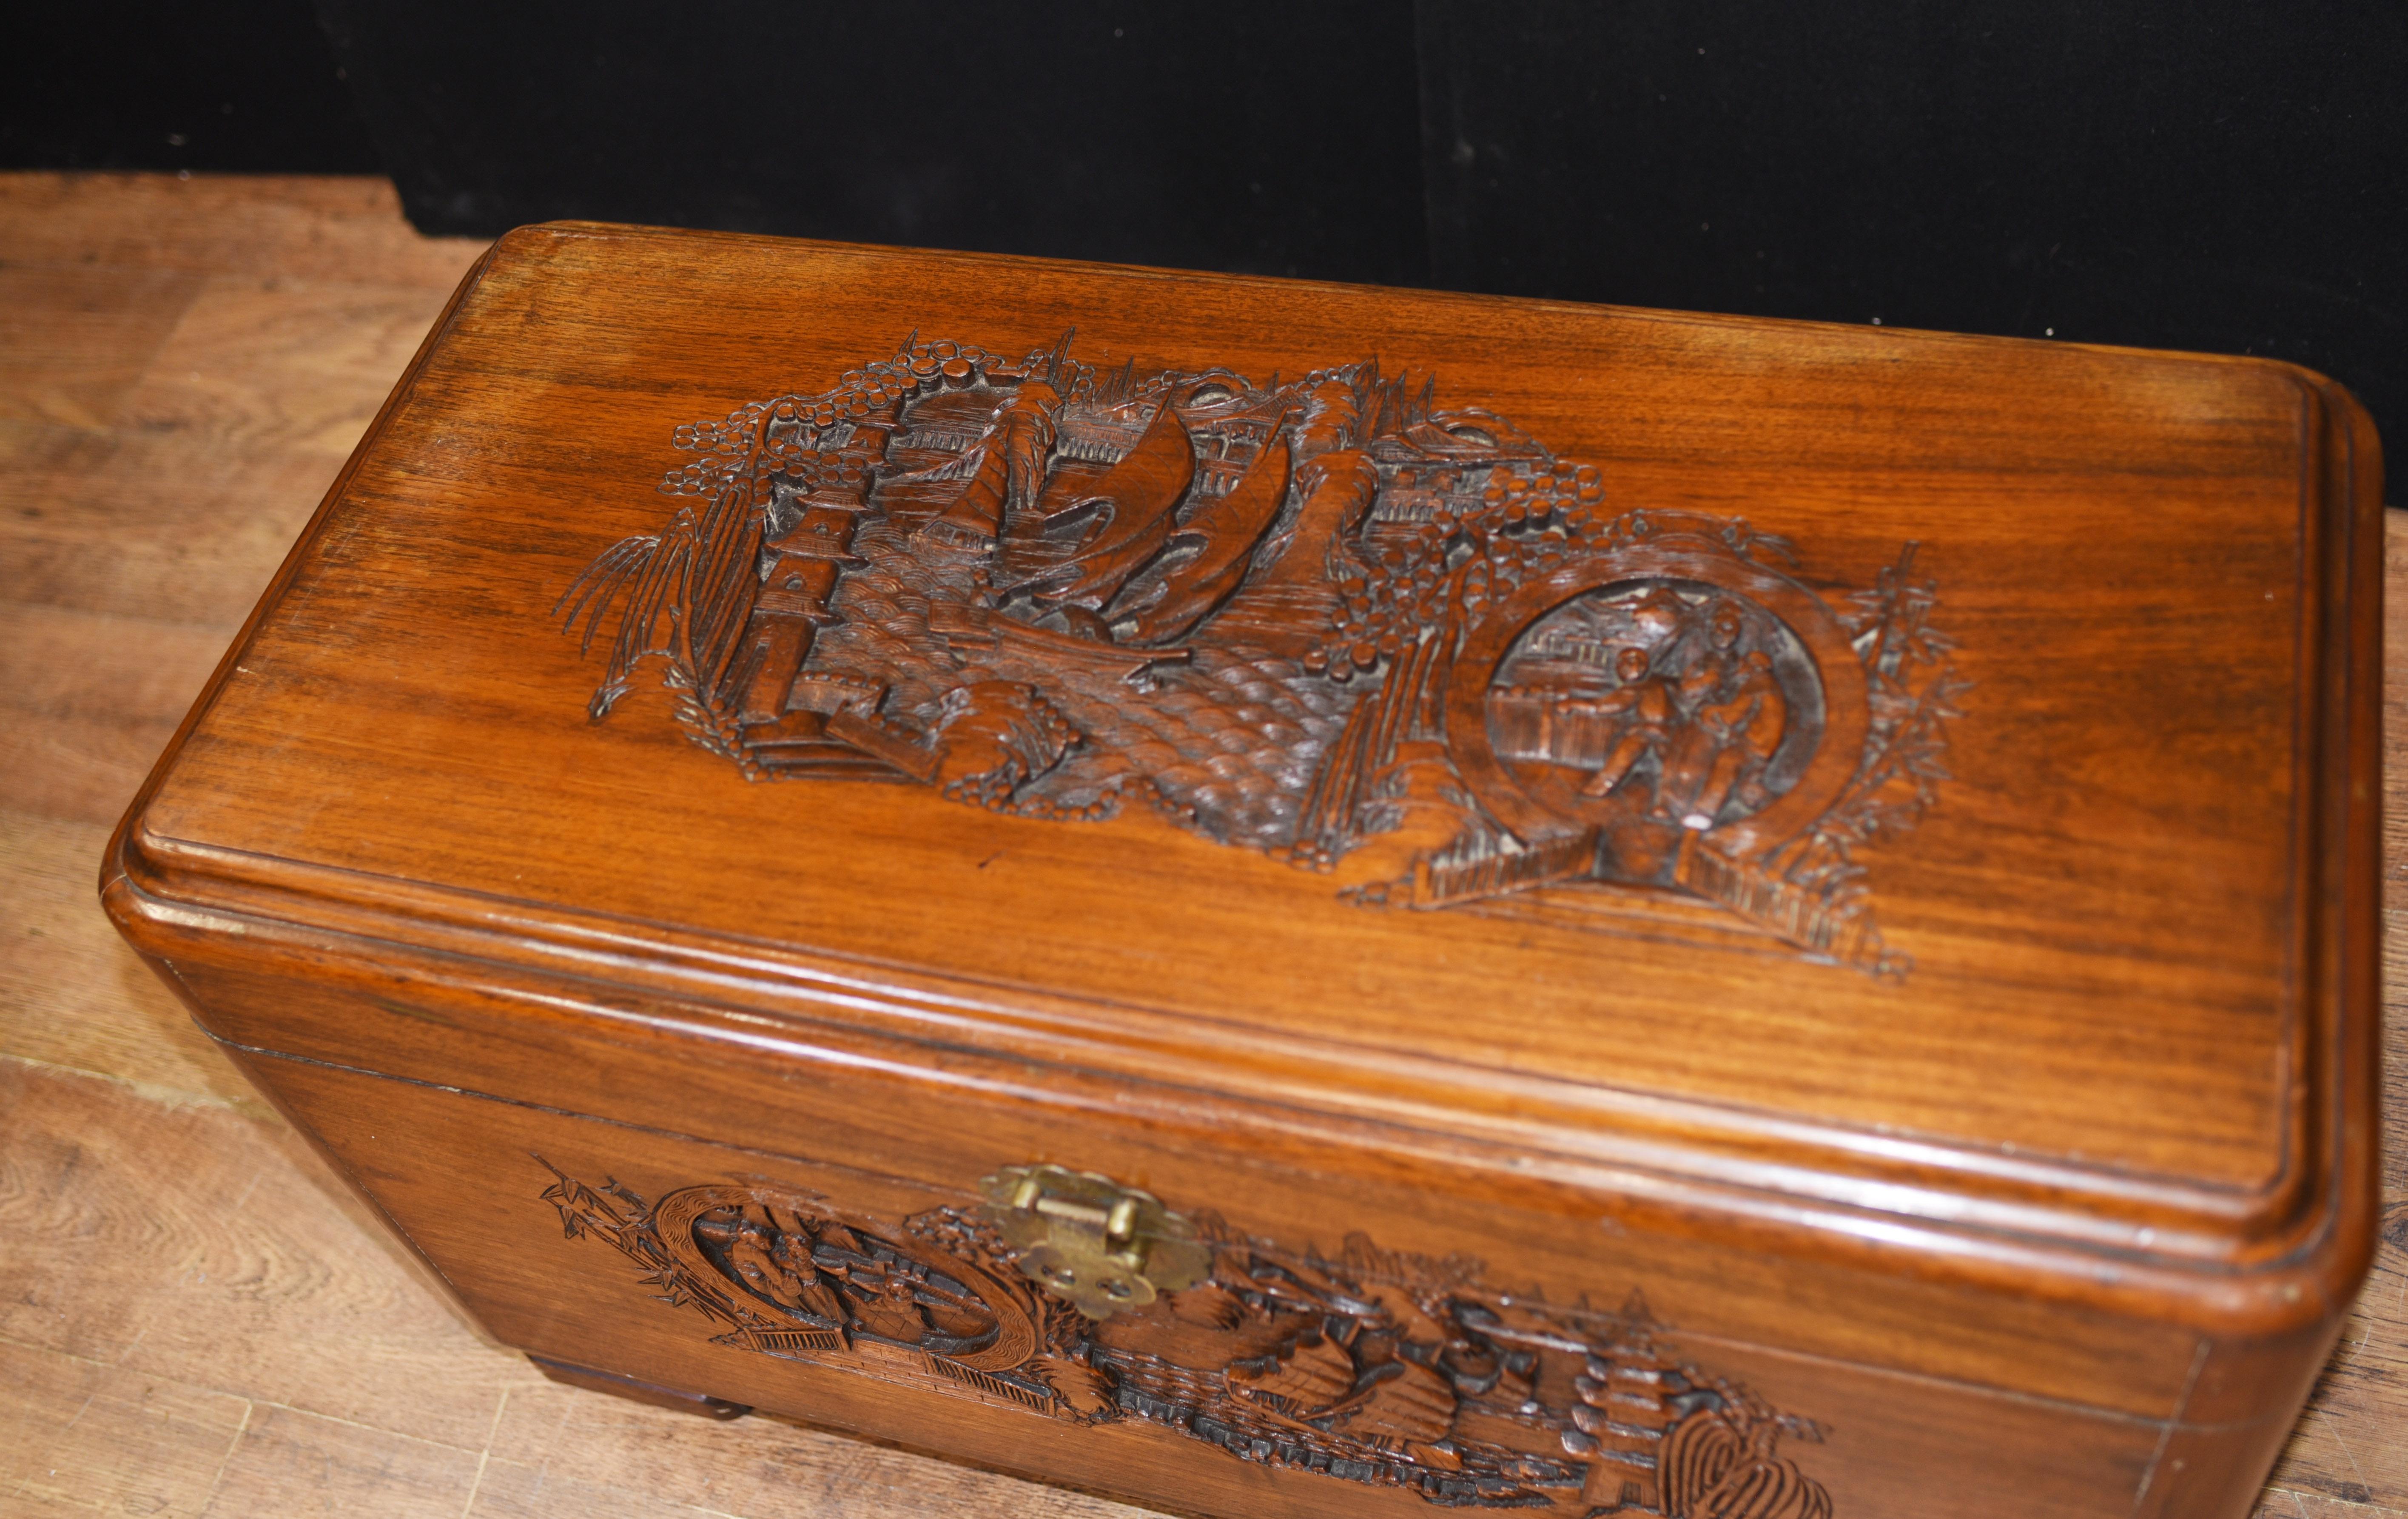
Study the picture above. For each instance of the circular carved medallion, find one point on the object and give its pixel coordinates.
(1671, 687)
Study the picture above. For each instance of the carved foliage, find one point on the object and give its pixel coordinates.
(1323, 617)
(1371, 1366)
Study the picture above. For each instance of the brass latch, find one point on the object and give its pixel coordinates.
(1096, 1244)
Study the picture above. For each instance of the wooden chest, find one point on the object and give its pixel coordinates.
(1281, 899)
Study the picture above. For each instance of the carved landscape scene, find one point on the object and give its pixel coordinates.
(1323, 617)
(1372, 1367)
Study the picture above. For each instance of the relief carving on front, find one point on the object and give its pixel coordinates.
(1321, 617)
(1374, 1368)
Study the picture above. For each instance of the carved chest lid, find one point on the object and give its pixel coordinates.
(1928, 773)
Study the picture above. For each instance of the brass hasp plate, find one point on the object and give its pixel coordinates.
(1086, 1238)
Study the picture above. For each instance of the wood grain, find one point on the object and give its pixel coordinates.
(82, 1433)
(73, 342)
(70, 997)
(166, 1192)
(244, 226)
(91, 694)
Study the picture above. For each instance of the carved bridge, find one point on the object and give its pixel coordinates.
(1325, 618)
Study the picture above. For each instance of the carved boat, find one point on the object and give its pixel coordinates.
(1216, 545)
(1139, 496)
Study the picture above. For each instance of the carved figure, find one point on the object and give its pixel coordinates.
(1649, 706)
(1712, 671)
(1728, 744)
(1324, 617)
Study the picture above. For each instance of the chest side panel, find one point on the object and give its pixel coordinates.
(1330, 1377)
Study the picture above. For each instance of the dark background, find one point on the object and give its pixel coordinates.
(2225, 174)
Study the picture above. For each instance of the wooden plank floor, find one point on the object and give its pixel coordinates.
(194, 1316)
